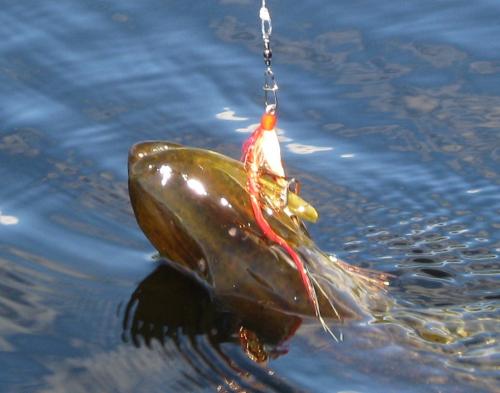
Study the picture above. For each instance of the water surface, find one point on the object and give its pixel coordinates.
(390, 117)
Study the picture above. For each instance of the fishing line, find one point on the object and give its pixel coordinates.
(270, 84)
(261, 153)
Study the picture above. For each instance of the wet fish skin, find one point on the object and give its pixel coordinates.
(193, 206)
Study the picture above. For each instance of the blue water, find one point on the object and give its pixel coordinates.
(390, 117)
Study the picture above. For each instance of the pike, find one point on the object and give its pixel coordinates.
(195, 208)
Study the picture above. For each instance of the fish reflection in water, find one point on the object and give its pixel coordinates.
(169, 304)
(172, 309)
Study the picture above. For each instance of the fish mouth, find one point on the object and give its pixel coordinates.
(142, 150)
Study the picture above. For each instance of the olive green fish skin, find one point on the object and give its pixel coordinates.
(193, 206)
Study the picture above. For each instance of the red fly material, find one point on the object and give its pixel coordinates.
(254, 158)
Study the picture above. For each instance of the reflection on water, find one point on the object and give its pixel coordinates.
(8, 220)
(170, 307)
(401, 100)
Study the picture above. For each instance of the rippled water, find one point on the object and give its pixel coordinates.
(390, 117)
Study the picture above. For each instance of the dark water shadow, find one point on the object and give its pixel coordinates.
(225, 345)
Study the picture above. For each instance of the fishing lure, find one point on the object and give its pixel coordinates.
(261, 152)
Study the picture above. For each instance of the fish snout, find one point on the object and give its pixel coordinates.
(142, 150)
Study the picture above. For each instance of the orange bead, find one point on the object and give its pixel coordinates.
(268, 121)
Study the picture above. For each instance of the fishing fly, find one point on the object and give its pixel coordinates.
(261, 154)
